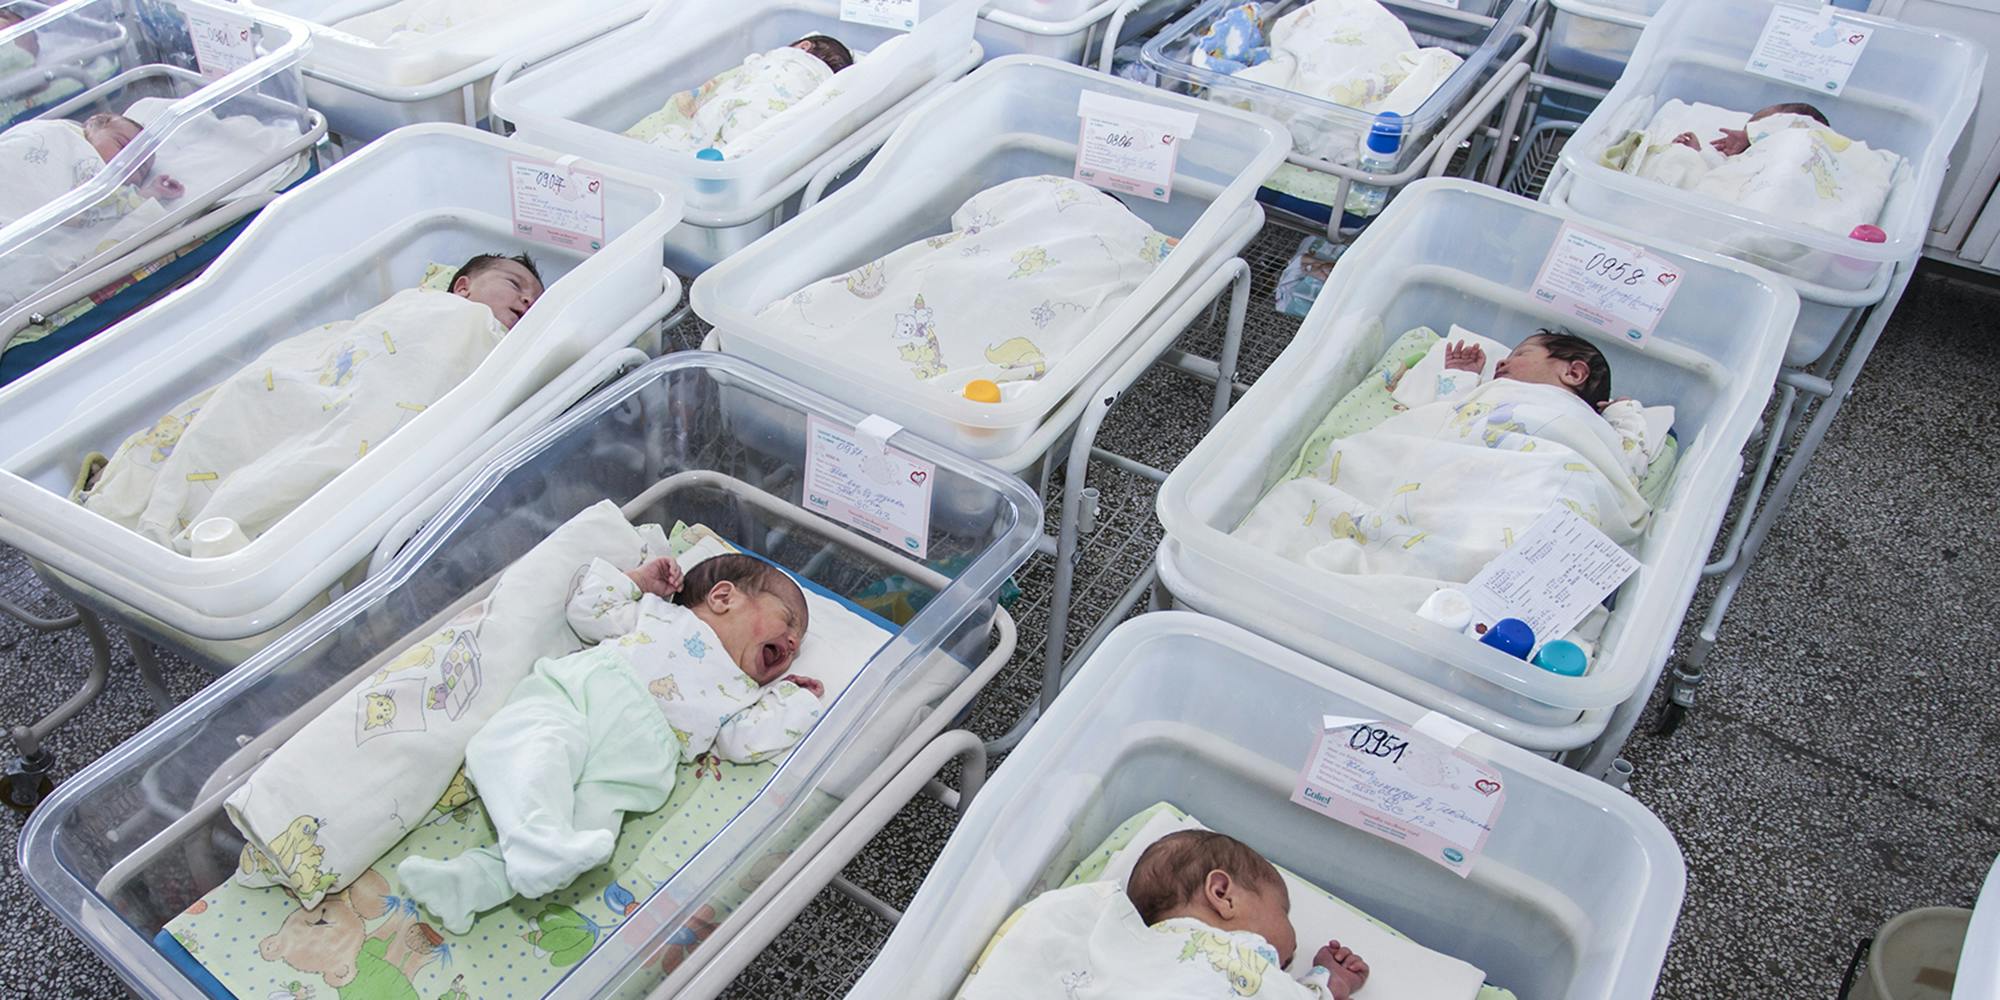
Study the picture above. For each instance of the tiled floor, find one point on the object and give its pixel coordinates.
(1841, 767)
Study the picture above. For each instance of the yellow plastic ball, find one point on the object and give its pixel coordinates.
(981, 390)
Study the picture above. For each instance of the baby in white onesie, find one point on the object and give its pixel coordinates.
(681, 667)
(1202, 916)
(1565, 361)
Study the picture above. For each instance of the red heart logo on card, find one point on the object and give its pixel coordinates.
(1668, 279)
(918, 476)
(1487, 786)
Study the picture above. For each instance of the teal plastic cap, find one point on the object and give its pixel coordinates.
(1563, 657)
(708, 153)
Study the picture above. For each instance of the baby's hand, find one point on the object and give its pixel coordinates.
(1348, 971)
(818, 690)
(1688, 139)
(162, 187)
(660, 578)
(1733, 141)
(1464, 356)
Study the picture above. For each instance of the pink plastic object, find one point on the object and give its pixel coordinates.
(1868, 234)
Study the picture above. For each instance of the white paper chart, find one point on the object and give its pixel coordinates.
(1558, 570)
(222, 44)
(898, 14)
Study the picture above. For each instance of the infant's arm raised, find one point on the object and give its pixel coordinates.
(604, 604)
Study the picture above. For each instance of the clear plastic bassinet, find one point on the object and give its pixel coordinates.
(1575, 896)
(136, 838)
(218, 116)
(1451, 252)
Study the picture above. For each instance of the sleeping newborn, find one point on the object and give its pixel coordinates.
(1202, 916)
(1784, 160)
(721, 112)
(680, 666)
(249, 449)
(1350, 52)
(43, 160)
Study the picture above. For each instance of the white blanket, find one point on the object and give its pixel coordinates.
(1429, 496)
(350, 784)
(1023, 276)
(42, 161)
(269, 436)
(1399, 968)
(1087, 942)
(1795, 168)
(1354, 53)
(729, 110)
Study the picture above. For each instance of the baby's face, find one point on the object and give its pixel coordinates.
(507, 288)
(1531, 362)
(1268, 912)
(109, 136)
(761, 633)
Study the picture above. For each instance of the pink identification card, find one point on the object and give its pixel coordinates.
(1610, 284)
(1128, 146)
(853, 479)
(1411, 788)
(558, 204)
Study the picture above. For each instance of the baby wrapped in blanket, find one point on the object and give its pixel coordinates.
(681, 666)
(266, 438)
(1022, 277)
(1351, 52)
(1783, 160)
(44, 159)
(725, 112)
(1482, 449)
(1202, 916)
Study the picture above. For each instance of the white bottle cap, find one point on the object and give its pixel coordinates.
(216, 536)
(1449, 608)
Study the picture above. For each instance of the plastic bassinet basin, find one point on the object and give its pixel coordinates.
(1911, 92)
(136, 838)
(328, 250)
(1449, 252)
(1575, 897)
(1014, 117)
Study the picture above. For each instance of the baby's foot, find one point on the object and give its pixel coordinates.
(1346, 971)
(536, 873)
(439, 886)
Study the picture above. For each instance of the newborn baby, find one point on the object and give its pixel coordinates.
(1733, 141)
(681, 666)
(1562, 360)
(1202, 916)
(733, 103)
(251, 448)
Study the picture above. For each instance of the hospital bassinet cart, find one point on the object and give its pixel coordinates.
(1907, 93)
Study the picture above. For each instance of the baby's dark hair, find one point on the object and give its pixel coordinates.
(746, 573)
(1796, 108)
(1596, 387)
(828, 50)
(1173, 870)
(482, 263)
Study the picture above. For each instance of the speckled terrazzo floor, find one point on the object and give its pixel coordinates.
(1842, 766)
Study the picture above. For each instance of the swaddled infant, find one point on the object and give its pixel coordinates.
(1733, 141)
(722, 112)
(682, 666)
(1202, 916)
(246, 451)
(56, 156)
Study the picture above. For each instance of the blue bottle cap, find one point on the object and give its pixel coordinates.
(1511, 636)
(708, 153)
(1387, 134)
(1563, 657)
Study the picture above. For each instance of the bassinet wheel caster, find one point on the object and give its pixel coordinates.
(27, 781)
